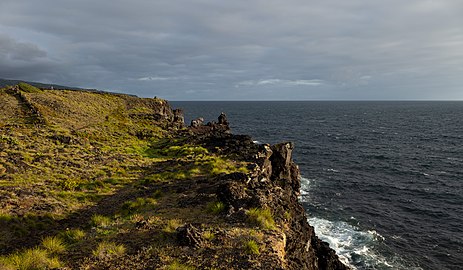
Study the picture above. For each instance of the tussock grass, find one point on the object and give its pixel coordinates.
(179, 266)
(100, 221)
(72, 236)
(262, 218)
(172, 225)
(30, 259)
(216, 207)
(54, 244)
(251, 247)
(109, 249)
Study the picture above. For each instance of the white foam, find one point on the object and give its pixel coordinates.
(353, 246)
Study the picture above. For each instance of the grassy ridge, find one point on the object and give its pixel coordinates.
(101, 178)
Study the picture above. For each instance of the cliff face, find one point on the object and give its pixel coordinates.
(117, 182)
(274, 183)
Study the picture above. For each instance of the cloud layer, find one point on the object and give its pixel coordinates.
(235, 50)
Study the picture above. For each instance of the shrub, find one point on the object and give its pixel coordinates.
(251, 247)
(216, 207)
(109, 249)
(54, 244)
(262, 218)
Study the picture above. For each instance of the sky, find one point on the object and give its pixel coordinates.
(239, 50)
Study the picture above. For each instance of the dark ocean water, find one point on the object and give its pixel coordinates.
(382, 181)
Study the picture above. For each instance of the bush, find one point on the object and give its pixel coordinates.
(262, 218)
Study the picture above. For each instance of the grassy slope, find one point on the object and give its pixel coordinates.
(101, 176)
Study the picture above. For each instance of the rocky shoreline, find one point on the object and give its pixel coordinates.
(273, 182)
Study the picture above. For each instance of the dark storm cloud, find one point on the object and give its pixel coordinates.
(239, 49)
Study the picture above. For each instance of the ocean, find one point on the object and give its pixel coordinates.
(382, 182)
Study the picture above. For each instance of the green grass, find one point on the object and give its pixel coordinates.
(138, 205)
(179, 266)
(54, 244)
(28, 88)
(100, 221)
(251, 247)
(109, 249)
(208, 235)
(262, 218)
(216, 207)
(72, 236)
(172, 225)
(30, 259)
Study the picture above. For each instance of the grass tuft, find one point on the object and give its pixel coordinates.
(109, 249)
(216, 207)
(251, 247)
(172, 225)
(262, 218)
(100, 221)
(72, 236)
(30, 259)
(179, 266)
(54, 244)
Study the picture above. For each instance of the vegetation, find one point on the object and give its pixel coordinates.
(251, 247)
(262, 218)
(104, 179)
(216, 207)
(108, 250)
(30, 259)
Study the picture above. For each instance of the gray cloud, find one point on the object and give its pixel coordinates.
(208, 49)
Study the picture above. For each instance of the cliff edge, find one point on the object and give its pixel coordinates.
(92, 180)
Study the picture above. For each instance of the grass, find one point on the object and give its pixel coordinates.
(109, 249)
(172, 225)
(54, 244)
(251, 247)
(179, 266)
(262, 218)
(100, 221)
(216, 207)
(208, 235)
(138, 205)
(72, 236)
(30, 259)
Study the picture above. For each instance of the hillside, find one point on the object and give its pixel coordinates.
(92, 180)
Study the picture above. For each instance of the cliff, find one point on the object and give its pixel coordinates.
(108, 181)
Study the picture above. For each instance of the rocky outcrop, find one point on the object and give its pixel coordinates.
(273, 183)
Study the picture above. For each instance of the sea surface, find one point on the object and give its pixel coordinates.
(382, 181)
